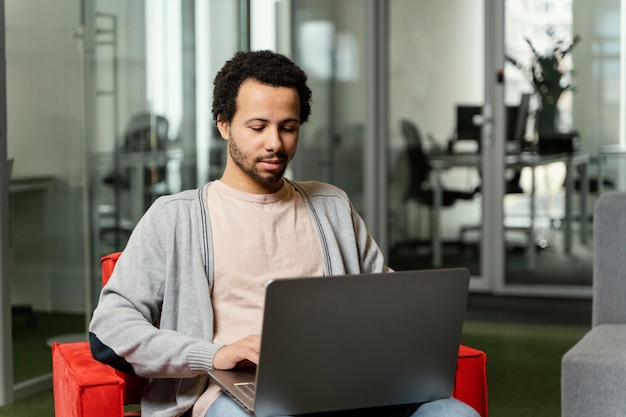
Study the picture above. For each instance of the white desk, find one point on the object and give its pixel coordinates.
(441, 163)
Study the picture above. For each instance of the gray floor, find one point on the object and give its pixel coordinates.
(529, 310)
(553, 267)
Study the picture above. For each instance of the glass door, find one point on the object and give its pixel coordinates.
(436, 81)
(430, 140)
(47, 191)
(539, 44)
(562, 73)
(152, 73)
(108, 104)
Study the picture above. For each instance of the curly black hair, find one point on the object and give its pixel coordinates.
(266, 67)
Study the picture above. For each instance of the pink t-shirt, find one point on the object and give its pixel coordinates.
(256, 237)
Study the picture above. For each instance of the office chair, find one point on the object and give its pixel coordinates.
(419, 171)
(84, 387)
(146, 133)
(138, 176)
(516, 124)
(419, 186)
(516, 120)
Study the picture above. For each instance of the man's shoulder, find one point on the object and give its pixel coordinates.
(185, 195)
(179, 199)
(319, 189)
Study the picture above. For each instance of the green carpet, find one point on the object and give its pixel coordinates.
(523, 370)
(40, 405)
(31, 354)
(523, 365)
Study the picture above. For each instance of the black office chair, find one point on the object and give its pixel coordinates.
(145, 134)
(145, 139)
(419, 188)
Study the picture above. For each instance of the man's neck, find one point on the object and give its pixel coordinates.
(249, 185)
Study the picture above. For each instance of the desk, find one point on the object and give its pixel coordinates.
(531, 160)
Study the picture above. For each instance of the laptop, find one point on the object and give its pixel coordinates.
(354, 341)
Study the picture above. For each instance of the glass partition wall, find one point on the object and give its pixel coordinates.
(436, 93)
(563, 66)
(432, 214)
(48, 231)
(108, 104)
(539, 44)
(154, 64)
(530, 190)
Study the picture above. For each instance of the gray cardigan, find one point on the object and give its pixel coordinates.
(155, 317)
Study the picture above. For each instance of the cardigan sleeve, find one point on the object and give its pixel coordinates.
(154, 316)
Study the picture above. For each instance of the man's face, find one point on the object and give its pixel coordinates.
(262, 137)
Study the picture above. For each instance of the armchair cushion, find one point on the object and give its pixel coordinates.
(592, 374)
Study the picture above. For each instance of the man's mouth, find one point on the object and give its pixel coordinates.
(273, 162)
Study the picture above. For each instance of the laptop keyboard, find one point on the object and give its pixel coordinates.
(247, 389)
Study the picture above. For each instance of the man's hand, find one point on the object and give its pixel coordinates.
(246, 349)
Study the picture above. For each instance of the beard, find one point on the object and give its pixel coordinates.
(250, 168)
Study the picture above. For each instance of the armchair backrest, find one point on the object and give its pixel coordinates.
(609, 263)
(108, 263)
(134, 384)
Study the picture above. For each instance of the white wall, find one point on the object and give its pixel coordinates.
(436, 61)
(43, 88)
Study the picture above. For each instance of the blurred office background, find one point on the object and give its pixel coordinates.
(425, 112)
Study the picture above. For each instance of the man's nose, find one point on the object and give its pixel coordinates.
(273, 141)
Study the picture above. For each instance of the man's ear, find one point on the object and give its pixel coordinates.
(223, 127)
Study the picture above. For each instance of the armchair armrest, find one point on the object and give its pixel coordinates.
(84, 387)
(471, 379)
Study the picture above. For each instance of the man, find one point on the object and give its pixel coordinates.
(187, 293)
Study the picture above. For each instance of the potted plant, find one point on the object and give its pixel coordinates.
(549, 78)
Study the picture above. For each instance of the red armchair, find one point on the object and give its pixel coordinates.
(84, 387)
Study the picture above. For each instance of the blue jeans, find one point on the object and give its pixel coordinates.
(449, 407)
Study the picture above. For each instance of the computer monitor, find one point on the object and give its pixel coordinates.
(516, 118)
(466, 129)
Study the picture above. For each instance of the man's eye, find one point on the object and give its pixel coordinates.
(256, 128)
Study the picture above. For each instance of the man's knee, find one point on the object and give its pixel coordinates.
(224, 406)
(448, 407)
